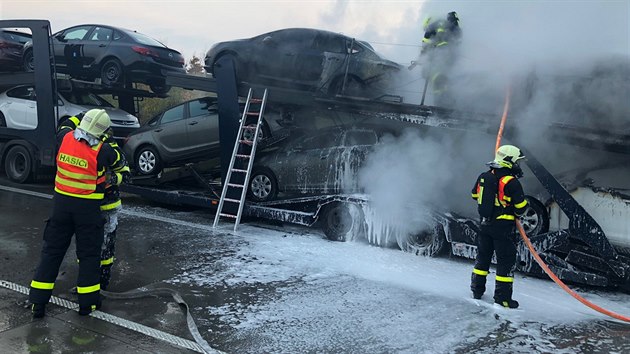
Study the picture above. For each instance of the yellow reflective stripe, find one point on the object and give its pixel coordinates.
(480, 195)
(107, 261)
(43, 286)
(75, 120)
(504, 279)
(475, 195)
(521, 205)
(123, 169)
(440, 30)
(84, 196)
(85, 186)
(88, 289)
(97, 146)
(496, 202)
(426, 40)
(111, 206)
(441, 44)
(506, 198)
(505, 217)
(75, 175)
(507, 179)
(480, 272)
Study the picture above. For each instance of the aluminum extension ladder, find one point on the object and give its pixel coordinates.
(242, 160)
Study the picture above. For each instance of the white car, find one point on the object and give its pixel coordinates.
(18, 109)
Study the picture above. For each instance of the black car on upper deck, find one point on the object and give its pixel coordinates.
(113, 55)
(11, 48)
(309, 59)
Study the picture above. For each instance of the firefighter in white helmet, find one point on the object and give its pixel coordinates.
(82, 162)
(500, 199)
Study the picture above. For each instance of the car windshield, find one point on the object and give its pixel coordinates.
(85, 99)
(17, 36)
(146, 40)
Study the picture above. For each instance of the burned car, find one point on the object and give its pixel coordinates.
(326, 162)
(308, 59)
(113, 55)
(11, 48)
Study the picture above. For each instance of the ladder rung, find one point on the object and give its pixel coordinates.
(231, 200)
(243, 156)
(235, 185)
(228, 215)
(253, 113)
(249, 127)
(248, 142)
(255, 100)
(239, 170)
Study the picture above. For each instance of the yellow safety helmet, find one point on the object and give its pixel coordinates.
(95, 122)
(507, 156)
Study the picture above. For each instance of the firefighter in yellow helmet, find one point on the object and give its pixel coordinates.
(82, 161)
(439, 47)
(500, 199)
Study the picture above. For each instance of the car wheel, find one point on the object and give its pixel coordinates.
(29, 61)
(342, 221)
(112, 72)
(263, 185)
(535, 220)
(3, 120)
(264, 133)
(354, 87)
(160, 89)
(148, 161)
(18, 164)
(429, 243)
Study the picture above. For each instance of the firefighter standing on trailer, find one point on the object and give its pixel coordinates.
(82, 161)
(439, 45)
(500, 199)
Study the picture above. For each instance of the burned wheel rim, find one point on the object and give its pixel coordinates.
(339, 220)
(530, 221)
(248, 134)
(147, 161)
(261, 187)
(29, 61)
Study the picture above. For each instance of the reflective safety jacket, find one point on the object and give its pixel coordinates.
(438, 33)
(77, 169)
(499, 195)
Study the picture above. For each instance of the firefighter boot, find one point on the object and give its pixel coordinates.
(503, 294)
(478, 282)
(38, 310)
(86, 310)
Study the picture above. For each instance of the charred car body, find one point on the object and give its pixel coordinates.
(114, 55)
(308, 59)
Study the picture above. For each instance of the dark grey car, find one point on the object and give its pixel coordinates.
(308, 59)
(11, 49)
(326, 162)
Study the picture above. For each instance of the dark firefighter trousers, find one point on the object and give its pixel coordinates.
(83, 218)
(497, 239)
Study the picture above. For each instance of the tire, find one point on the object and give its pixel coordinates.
(265, 132)
(3, 120)
(112, 73)
(160, 89)
(263, 185)
(148, 161)
(428, 243)
(355, 87)
(239, 69)
(29, 61)
(535, 220)
(18, 164)
(342, 221)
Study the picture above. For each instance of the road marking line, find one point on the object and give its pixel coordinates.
(136, 327)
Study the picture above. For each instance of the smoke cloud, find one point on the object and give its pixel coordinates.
(565, 61)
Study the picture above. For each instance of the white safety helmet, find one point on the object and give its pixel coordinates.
(507, 156)
(95, 122)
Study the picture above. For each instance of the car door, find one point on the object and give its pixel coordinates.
(308, 163)
(20, 100)
(348, 158)
(68, 47)
(326, 53)
(284, 48)
(203, 127)
(96, 45)
(170, 136)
